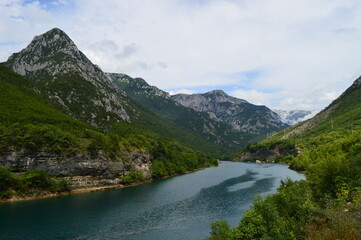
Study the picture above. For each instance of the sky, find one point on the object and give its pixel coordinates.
(285, 54)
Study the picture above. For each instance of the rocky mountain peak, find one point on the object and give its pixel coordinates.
(241, 115)
(70, 79)
(53, 36)
(54, 45)
(357, 82)
(216, 92)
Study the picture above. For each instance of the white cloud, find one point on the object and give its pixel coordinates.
(254, 96)
(179, 91)
(307, 51)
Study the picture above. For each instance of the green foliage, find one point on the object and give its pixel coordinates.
(134, 176)
(303, 210)
(36, 137)
(276, 216)
(172, 158)
(334, 222)
(29, 122)
(220, 230)
(37, 179)
(331, 157)
(7, 179)
(271, 144)
(31, 182)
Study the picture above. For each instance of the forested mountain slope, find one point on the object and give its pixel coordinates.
(38, 140)
(326, 206)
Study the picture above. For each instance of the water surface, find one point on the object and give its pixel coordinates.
(181, 207)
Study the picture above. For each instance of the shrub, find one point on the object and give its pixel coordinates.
(7, 179)
(133, 176)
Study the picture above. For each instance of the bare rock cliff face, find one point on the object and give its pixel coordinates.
(238, 113)
(82, 170)
(267, 154)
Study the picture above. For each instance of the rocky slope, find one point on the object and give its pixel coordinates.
(34, 135)
(66, 76)
(97, 170)
(342, 113)
(340, 119)
(202, 123)
(239, 114)
(62, 73)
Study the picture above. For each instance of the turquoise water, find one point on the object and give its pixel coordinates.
(180, 207)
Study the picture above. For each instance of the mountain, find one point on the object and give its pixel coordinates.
(202, 123)
(59, 71)
(35, 135)
(338, 120)
(241, 115)
(62, 114)
(293, 116)
(343, 114)
(72, 82)
(327, 147)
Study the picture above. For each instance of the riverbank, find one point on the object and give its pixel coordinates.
(179, 208)
(45, 195)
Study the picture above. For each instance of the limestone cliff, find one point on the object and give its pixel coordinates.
(82, 170)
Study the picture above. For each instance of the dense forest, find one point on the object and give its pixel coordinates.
(327, 148)
(326, 206)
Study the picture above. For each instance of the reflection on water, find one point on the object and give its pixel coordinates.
(177, 208)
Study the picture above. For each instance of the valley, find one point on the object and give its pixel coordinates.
(68, 126)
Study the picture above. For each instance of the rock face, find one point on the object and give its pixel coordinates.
(138, 85)
(65, 75)
(293, 116)
(266, 154)
(81, 166)
(238, 113)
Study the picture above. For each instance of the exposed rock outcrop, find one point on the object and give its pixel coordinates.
(267, 154)
(82, 170)
(238, 113)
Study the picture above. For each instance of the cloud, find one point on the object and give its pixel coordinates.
(254, 96)
(284, 54)
(162, 64)
(179, 91)
(128, 50)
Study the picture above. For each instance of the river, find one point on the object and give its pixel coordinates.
(180, 207)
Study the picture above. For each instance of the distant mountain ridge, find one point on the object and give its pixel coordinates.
(215, 126)
(238, 113)
(160, 103)
(341, 118)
